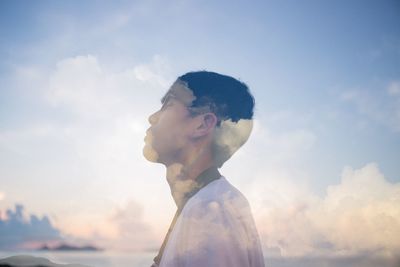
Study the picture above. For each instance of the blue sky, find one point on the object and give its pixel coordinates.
(78, 79)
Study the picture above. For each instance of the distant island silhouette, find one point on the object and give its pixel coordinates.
(31, 261)
(69, 247)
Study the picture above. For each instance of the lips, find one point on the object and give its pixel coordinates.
(146, 137)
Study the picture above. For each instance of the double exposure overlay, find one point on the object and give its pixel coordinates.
(211, 133)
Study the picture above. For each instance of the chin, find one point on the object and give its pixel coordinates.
(150, 154)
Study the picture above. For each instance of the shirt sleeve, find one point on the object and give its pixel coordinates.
(218, 234)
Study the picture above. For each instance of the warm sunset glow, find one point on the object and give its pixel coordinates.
(318, 163)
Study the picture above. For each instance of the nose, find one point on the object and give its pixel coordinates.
(153, 118)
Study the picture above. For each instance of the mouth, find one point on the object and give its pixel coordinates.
(146, 137)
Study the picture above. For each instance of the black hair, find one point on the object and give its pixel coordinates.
(227, 97)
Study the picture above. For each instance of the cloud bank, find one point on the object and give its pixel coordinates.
(361, 215)
(17, 231)
(132, 232)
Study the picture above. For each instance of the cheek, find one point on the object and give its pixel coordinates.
(169, 137)
(166, 136)
(171, 129)
(170, 124)
(163, 136)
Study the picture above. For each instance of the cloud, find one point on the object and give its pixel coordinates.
(82, 85)
(360, 215)
(366, 208)
(87, 91)
(109, 119)
(131, 232)
(229, 137)
(88, 139)
(394, 88)
(381, 106)
(283, 146)
(16, 231)
(110, 108)
(123, 228)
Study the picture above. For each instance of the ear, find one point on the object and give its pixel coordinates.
(205, 124)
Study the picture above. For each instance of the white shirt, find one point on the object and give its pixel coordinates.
(215, 228)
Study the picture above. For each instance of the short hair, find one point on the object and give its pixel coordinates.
(231, 102)
(227, 97)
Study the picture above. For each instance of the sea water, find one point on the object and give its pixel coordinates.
(92, 258)
(144, 259)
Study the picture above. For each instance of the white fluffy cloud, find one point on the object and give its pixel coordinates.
(122, 228)
(133, 233)
(91, 147)
(359, 215)
(84, 86)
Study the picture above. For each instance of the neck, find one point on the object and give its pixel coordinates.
(181, 177)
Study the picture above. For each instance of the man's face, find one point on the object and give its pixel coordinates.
(170, 127)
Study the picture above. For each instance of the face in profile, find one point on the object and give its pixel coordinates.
(170, 126)
(173, 128)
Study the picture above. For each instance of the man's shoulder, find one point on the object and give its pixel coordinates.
(218, 194)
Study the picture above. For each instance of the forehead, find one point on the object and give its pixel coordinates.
(180, 92)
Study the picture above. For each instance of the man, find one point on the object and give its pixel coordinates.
(205, 117)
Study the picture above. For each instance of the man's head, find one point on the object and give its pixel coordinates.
(201, 109)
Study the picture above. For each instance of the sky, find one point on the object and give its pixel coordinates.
(78, 80)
